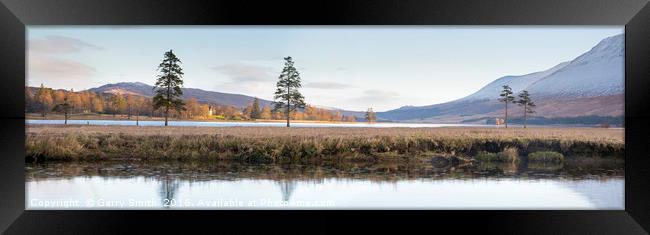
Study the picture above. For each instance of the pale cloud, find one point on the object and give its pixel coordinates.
(46, 62)
(60, 73)
(252, 88)
(380, 94)
(239, 72)
(327, 85)
(378, 99)
(249, 79)
(54, 44)
(59, 68)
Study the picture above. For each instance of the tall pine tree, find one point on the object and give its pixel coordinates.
(255, 111)
(287, 97)
(168, 86)
(527, 103)
(506, 97)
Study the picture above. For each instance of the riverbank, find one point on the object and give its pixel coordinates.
(307, 145)
(109, 117)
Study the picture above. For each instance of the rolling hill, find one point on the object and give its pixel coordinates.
(203, 96)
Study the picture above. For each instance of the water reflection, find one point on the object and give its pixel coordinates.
(287, 187)
(168, 189)
(434, 185)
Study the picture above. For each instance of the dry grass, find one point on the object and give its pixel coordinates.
(280, 144)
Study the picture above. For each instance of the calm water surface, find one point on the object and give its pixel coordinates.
(210, 185)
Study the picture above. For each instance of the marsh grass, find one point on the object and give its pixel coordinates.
(306, 145)
(510, 154)
(546, 156)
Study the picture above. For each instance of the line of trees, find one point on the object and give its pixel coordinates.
(524, 101)
(44, 101)
(168, 102)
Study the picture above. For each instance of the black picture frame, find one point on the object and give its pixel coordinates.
(15, 15)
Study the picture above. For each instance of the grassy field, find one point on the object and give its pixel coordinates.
(305, 145)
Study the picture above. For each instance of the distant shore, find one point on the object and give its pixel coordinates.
(310, 145)
(162, 119)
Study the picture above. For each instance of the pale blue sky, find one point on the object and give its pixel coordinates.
(352, 67)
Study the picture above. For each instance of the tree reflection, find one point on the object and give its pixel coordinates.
(168, 190)
(287, 187)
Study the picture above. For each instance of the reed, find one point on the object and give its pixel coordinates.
(304, 145)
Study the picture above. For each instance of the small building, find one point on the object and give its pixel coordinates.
(499, 121)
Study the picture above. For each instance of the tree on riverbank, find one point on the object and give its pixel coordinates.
(506, 97)
(118, 104)
(255, 111)
(168, 86)
(64, 107)
(266, 113)
(287, 98)
(371, 116)
(527, 103)
(44, 99)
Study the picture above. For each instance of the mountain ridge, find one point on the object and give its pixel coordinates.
(597, 73)
(203, 96)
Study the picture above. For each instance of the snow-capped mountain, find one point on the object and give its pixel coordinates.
(590, 84)
(517, 83)
(598, 72)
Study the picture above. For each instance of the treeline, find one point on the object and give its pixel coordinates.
(43, 100)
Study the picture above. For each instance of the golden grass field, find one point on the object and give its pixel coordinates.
(281, 144)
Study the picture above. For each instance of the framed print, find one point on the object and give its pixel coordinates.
(520, 117)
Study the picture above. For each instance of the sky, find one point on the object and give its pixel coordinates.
(347, 67)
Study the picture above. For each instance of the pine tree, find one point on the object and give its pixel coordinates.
(506, 97)
(287, 97)
(370, 115)
(168, 86)
(527, 103)
(255, 110)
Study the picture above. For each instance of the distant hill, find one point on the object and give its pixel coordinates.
(591, 85)
(203, 96)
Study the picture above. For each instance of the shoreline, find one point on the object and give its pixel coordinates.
(94, 117)
(108, 117)
(312, 145)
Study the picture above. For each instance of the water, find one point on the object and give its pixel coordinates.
(209, 185)
(225, 124)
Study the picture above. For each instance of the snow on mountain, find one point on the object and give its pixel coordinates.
(595, 79)
(598, 72)
(517, 83)
(595, 73)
